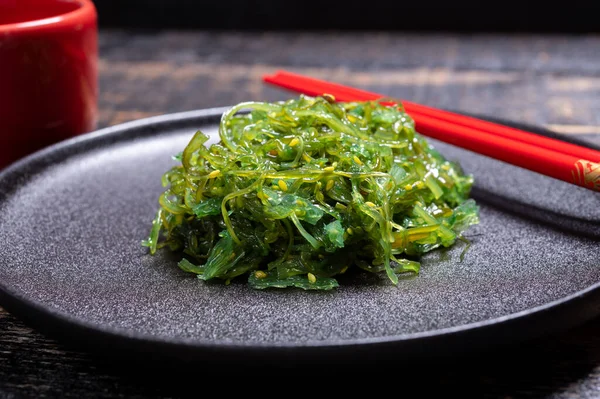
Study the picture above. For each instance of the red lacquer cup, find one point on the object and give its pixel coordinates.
(48, 73)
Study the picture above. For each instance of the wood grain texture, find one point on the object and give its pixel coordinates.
(552, 81)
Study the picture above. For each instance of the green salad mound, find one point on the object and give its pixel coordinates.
(297, 192)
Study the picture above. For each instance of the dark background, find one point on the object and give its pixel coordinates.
(569, 16)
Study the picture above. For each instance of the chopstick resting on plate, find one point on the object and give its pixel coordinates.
(551, 157)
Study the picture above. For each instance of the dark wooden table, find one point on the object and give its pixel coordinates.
(552, 81)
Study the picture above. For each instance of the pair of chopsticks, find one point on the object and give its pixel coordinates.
(551, 157)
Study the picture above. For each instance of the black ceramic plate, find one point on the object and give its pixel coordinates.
(72, 218)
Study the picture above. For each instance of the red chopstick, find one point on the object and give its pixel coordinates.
(555, 158)
(344, 93)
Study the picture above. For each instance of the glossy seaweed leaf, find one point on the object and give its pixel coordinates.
(298, 191)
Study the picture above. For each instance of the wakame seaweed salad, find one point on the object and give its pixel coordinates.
(297, 192)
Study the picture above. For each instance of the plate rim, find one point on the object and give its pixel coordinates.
(23, 307)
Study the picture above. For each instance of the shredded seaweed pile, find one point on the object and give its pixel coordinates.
(299, 191)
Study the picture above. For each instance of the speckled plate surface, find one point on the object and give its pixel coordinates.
(72, 218)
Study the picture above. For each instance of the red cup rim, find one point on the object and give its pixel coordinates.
(85, 13)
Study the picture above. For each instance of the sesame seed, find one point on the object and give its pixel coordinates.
(311, 278)
(329, 169)
(294, 142)
(260, 274)
(350, 231)
(329, 97)
(282, 185)
(357, 160)
(329, 185)
(408, 187)
(369, 203)
(214, 173)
